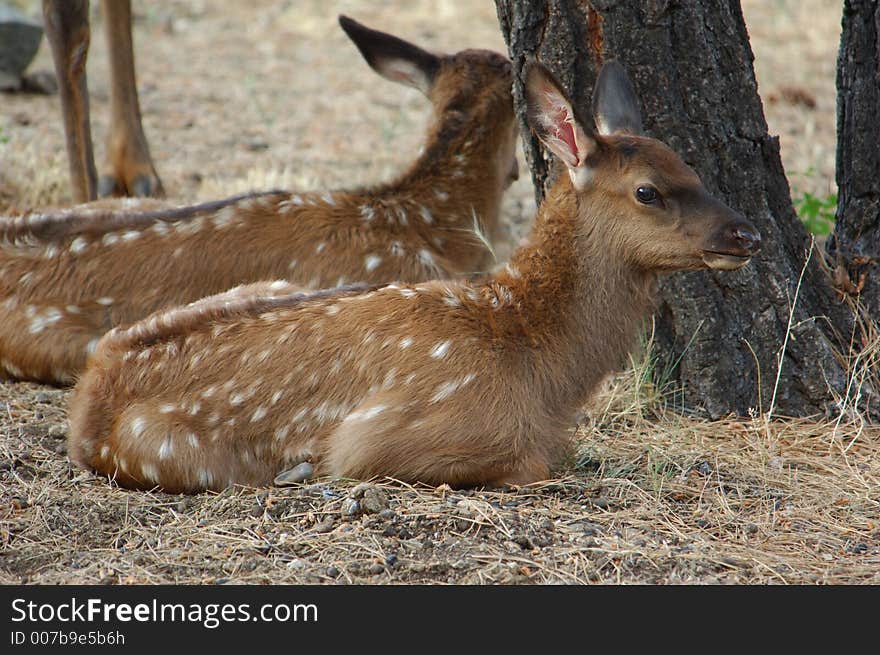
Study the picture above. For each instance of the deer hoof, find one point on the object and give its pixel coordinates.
(142, 185)
(299, 473)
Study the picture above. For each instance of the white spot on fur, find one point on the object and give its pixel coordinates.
(150, 473)
(138, 423)
(407, 293)
(25, 277)
(328, 198)
(426, 215)
(51, 315)
(332, 310)
(277, 396)
(131, 235)
(50, 252)
(367, 213)
(259, 414)
(193, 440)
(320, 247)
(195, 409)
(366, 414)
(110, 238)
(167, 408)
(448, 388)
(166, 449)
(441, 195)
(397, 249)
(427, 259)
(105, 451)
(210, 391)
(406, 342)
(439, 351)
(78, 245)
(292, 264)
(236, 399)
(281, 433)
(372, 262)
(106, 301)
(161, 227)
(409, 379)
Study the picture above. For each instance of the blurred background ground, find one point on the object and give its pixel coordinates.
(269, 94)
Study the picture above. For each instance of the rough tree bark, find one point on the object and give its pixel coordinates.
(719, 334)
(855, 245)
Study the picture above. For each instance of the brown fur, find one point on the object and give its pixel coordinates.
(458, 382)
(66, 278)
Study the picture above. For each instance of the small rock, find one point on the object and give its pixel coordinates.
(19, 40)
(333, 572)
(391, 559)
(324, 526)
(374, 501)
(296, 475)
(58, 431)
(350, 507)
(42, 397)
(256, 511)
(375, 569)
(360, 490)
(61, 448)
(547, 524)
(296, 564)
(387, 514)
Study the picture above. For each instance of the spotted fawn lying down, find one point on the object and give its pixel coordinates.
(68, 277)
(458, 382)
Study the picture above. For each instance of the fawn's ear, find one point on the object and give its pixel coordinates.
(393, 58)
(553, 120)
(615, 105)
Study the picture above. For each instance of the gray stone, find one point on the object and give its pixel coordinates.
(19, 40)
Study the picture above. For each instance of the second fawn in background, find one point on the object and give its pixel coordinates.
(66, 278)
(459, 382)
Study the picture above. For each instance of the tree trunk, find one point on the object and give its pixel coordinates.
(719, 335)
(855, 244)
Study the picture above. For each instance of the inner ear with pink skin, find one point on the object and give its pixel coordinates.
(392, 57)
(552, 118)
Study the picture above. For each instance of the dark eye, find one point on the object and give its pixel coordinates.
(647, 194)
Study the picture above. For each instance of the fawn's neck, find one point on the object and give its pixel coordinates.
(578, 301)
(456, 176)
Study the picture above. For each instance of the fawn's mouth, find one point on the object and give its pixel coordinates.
(724, 261)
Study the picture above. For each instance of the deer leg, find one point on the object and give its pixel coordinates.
(67, 30)
(129, 169)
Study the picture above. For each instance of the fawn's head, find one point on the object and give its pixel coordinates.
(652, 204)
(471, 92)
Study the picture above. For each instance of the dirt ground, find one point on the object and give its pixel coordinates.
(238, 96)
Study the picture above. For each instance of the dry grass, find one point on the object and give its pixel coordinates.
(272, 95)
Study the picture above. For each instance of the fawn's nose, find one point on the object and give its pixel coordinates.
(747, 236)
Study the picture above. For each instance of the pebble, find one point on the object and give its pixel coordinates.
(42, 397)
(377, 568)
(387, 514)
(350, 507)
(58, 431)
(374, 501)
(332, 571)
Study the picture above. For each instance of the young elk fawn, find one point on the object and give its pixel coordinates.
(67, 278)
(464, 382)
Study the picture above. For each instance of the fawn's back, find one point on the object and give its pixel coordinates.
(67, 278)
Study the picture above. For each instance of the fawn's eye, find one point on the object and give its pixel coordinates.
(647, 195)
